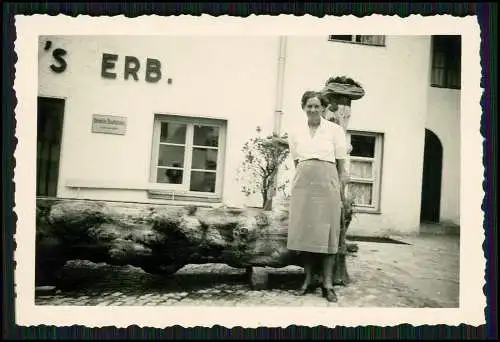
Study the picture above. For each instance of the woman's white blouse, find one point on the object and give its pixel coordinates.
(328, 143)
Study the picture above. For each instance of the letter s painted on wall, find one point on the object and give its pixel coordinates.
(58, 55)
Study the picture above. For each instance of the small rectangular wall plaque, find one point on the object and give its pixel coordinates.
(109, 124)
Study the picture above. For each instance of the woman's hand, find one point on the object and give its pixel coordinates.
(344, 179)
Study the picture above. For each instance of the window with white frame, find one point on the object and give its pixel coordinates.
(365, 170)
(188, 157)
(376, 40)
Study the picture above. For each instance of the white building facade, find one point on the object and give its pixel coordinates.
(163, 119)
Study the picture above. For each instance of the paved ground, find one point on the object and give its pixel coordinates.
(424, 273)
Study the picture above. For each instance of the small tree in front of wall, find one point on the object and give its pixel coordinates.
(263, 157)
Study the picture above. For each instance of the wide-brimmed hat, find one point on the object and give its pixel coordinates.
(339, 87)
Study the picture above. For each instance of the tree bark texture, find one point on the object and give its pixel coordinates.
(341, 117)
(160, 239)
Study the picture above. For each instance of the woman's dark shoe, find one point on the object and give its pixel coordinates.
(305, 290)
(329, 294)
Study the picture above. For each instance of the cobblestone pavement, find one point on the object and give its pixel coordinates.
(424, 273)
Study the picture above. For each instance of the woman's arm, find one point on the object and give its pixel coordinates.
(340, 142)
(292, 144)
(343, 177)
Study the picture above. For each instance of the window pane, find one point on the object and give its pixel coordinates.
(362, 193)
(171, 156)
(438, 77)
(169, 176)
(206, 136)
(453, 76)
(373, 40)
(204, 159)
(363, 146)
(439, 60)
(453, 79)
(361, 169)
(340, 37)
(203, 181)
(174, 133)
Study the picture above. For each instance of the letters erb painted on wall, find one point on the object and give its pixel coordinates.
(132, 66)
(150, 68)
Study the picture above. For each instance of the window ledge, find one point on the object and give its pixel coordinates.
(363, 210)
(194, 202)
(176, 196)
(155, 191)
(445, 87)
(355, 43)
(139, 202)
(78, 183)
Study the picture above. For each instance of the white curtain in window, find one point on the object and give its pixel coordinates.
(361, 169)
(362, 193)
(453, 78)
(438, 69)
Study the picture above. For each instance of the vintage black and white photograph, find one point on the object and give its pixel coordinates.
(322, 170)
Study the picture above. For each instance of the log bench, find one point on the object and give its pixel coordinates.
(162, 239)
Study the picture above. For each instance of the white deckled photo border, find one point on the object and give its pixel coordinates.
(472, 265)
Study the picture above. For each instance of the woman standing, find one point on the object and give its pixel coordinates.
(318, 148)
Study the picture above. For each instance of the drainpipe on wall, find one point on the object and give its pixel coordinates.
(278, 109)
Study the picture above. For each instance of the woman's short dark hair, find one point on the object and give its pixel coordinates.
(309, 94)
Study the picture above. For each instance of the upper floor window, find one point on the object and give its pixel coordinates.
(366, 40)
(446, 61)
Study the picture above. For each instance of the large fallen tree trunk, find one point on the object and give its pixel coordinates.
(160, 239)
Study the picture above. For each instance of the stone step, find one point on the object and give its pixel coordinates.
(441, 229)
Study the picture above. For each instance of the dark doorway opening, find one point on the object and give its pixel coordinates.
(49, 132)
(431, 180)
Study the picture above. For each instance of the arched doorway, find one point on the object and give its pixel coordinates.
(431, 180)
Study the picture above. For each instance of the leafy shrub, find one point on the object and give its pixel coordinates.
(263, 156)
